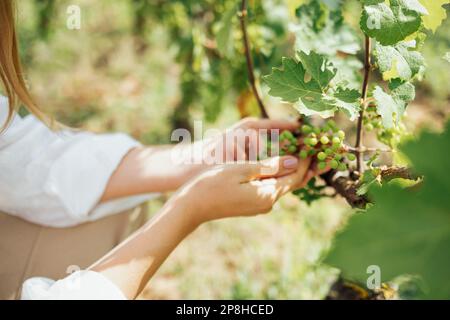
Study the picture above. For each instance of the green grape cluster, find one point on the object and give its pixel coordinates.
(325, 144)
(372, 119)
(389, 136)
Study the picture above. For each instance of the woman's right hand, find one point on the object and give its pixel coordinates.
(230, 190)
(243, 189)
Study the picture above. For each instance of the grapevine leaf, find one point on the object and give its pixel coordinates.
(402, 91)
(317, 29)
(389, 24)
(318, 67)
(369, 178)
(349, 101)
(311, 109)
(405, 232)
(288, 83)
(389, 108)
(415, 5)
(307, 84)
(436, 13)
(398, 61)
(348, 71)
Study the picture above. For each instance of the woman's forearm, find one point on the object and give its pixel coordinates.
(133, 263)
(149, 169)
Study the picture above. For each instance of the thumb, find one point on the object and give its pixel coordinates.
(294, 180)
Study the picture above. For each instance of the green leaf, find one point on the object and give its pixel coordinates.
(288, 83)
(307, 84)
(318, 67)
(369, 178)
(405, 232)
(389, 108)
(348, 100)
(436, 13)
(398, 61)
(402, 91)
(389, 24)
(323, 31)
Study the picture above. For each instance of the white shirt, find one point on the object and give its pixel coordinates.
(57, 178)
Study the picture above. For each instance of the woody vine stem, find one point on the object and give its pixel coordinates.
(365, 86)
(248, 58)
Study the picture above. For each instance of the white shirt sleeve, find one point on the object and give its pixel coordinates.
(80, 285)
(57, 178)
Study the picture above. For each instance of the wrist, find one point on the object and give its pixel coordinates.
(189, 206)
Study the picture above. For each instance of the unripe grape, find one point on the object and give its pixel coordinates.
(292, 149)
(313, 142)
(351, 157)
(282, 153)
(321, 156)
(336, 140)
(321, 165)
(324, 140)
(306, 141)
(335, 146)
(312, 152)
(288, 135)
(342, 166)
(334, 164)
(316, 130)
(369, 127)
(338, 157)
(341, 134)
(303, 154)
(328, 151)
(306, 129)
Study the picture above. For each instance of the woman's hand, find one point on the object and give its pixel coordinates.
(245, 189)
(246, 140)
(225, 191)
(166, 168)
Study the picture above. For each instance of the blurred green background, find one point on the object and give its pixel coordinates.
(122, 71)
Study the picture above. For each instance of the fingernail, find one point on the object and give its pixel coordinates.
(290, 163)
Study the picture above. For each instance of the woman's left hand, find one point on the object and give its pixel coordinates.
(246, 140)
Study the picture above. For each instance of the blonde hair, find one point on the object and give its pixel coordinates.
(11, 74)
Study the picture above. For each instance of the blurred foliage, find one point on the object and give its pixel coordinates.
(406, 231)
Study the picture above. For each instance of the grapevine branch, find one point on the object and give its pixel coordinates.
(345, 186)
(348, 188)
(248, 59)
(365, 86)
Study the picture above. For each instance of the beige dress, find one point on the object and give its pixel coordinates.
(29, 250)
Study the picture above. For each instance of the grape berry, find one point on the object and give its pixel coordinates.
(325, 144)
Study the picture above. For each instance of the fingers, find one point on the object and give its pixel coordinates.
(268, 168)
(269, 190)
(293, 181)
(313, 171)
(251, 123)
